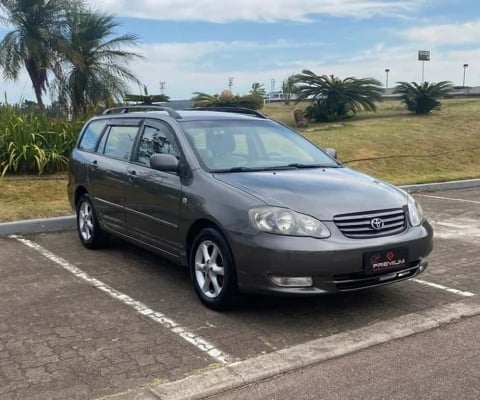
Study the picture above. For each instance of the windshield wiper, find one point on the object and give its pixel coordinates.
(256, 169)
(236, 169)
(274, 168)
(300, 165)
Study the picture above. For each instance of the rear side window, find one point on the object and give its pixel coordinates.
(91, 134)
(119, 141)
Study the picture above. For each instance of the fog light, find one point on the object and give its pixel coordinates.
(297, 281)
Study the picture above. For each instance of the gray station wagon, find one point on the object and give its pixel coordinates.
(248, 204)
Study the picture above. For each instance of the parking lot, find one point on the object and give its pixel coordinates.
(80, 324)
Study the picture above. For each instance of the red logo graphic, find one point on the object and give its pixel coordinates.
(390, 255)
(375, 259)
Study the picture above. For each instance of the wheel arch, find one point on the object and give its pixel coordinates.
(196, 228)
(79, 192)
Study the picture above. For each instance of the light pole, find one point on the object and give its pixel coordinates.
(465, 66)
(386, 78)
(230, 83)
(162, 86)
(272, 86)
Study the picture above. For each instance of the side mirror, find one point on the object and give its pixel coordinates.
(164, 162)
(331, 152)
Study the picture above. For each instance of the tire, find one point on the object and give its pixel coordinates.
(213, 271)
(89, 232)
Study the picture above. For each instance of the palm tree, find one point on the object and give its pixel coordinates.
(145, 98)
(227, 99)
(258, 89)
(335, 99)
(421, 99)
(93, 68)
(31, 44)
(289, 87)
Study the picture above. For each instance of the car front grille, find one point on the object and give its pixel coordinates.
(371, 224)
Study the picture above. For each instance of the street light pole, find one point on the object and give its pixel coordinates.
(465, 66)
(386, 79)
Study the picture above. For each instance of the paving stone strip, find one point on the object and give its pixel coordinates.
(266, 366)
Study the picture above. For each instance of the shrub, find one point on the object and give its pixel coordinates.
(335, 99)
(32, 143)
(421, 99)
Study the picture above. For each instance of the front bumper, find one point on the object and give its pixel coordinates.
(335, 264)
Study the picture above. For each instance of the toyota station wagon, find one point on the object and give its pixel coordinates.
(246, 203)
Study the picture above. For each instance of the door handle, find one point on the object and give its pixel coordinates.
(94, 165)
(132, 175)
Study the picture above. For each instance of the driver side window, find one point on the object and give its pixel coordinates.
(154, 140)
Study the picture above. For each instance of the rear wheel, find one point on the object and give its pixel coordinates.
(91, 236)
(213, 271)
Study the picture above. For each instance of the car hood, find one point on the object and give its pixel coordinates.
(321, 193)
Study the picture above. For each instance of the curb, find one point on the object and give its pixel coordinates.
(242, 373)
(38, 225)
(452, 185)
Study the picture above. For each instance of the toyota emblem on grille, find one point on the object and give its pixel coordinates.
(376, 223)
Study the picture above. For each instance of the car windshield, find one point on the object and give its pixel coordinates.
(246, 145)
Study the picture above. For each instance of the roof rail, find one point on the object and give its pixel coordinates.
(238, 110)
(126, 109)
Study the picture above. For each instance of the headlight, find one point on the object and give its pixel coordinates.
(415, 211)
(283, 221)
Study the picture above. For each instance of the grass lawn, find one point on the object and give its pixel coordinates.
(27, 197)
(444, 145)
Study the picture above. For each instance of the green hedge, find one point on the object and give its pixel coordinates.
(32, 143)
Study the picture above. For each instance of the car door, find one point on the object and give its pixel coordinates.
(153, 197)
(108, 172)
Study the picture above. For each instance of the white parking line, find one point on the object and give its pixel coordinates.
(450, 290)
(448, 198)
(196, 340)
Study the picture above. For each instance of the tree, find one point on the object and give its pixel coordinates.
(227, 99)
(31, 44)
(93, 68)
(335, 99)
(289, 87)
(258, 89)
(421, 99)
(146, 99)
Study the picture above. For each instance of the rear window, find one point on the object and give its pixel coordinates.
(91, 134)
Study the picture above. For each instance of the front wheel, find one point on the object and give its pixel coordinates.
(91, 236)
(213, 271)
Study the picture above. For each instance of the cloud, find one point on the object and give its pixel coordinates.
(254, 10)
(183, 52)
(195, 67)
(192, 67)
(461, 33)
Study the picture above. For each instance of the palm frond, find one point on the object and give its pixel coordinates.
(334, 98)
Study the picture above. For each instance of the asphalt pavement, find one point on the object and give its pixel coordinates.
(438, 364)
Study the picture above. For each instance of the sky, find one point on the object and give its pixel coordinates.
(198, 45)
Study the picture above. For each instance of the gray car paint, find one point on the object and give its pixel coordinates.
(223, 199)
(319, 192)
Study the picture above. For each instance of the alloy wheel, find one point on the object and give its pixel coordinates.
(209, 269)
